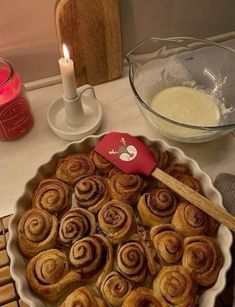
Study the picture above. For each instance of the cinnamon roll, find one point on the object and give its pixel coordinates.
(83, 297)
(103, 165)
(48, 274)
(91, 193)
(76, 224)
(74, 167)
(162, 159)
(91, 256)
(115, 288)
(37, 231)
(52, 195)
(177, 169)
(126, 188)
(182, 173)
(168, 244)
(114, 171)
(190, 220)
(203, 259)
(213, 226)
(117, 221)
(190, 181)
(135, 260)
(145, 180)
(141, 297)
(157, 207)
(174, 286)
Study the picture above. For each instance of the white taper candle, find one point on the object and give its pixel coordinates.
(67, 75)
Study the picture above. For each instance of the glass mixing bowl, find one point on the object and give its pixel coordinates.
(156, 64)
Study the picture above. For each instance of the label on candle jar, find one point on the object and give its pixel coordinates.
(15, 119)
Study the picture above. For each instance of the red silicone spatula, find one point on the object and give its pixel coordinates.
(132, 156)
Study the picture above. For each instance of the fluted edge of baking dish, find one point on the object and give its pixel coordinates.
(17, 264)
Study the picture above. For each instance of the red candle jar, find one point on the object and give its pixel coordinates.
(15, 115)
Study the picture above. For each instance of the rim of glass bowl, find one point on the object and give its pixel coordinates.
(11, 72)
(177, 39)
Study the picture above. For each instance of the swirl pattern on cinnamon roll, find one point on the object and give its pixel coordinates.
(177, 169)
(83, 297)
(91, 193)
(141, 297)
(117, 220)
(103, 165)
(135, 260)
(190, 181)
(157, 207)
(126, 188)
(114, 171)
(174, 286)
(37, 231)
(52, 195)
(49, 275)
(182, 173)
(190, 220)
(203, 259)
(162, 159)
(74, 167)
(91, 256)
(76, 224)
(168, 244)
(115, 288)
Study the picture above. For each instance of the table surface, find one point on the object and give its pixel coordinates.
(20, 159)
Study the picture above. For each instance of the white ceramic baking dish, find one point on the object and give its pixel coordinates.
(17, 265)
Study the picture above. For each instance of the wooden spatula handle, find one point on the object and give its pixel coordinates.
(218, 213)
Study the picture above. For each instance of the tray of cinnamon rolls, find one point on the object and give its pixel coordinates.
(86, 234)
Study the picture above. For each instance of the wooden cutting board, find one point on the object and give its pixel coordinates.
(91, 30)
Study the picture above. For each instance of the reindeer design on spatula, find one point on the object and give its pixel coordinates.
(126, 152)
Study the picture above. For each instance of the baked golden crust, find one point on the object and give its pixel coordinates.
(115, 288)
(203, 259)
(52, 195)
(177, 169)
(163, 159)
(135, 260)
(126, 188)
(92, 257)
(190, 220)
(74, 167)
(157, 207)
(91, 193)
(49, 275)
(83, 297)
(141, 297)
(76, 224)
(117, 221)
(174, 286)
(103, 165)
(182, 173)
(37, 231)
(190, 181)
(168, 244)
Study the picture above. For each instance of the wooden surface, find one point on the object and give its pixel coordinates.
(10, 298)
(214, 210)
(8, 293)
(92, 32)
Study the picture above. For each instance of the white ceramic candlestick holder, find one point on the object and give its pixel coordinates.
(74, 119)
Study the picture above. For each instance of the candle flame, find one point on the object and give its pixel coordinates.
(65, 51)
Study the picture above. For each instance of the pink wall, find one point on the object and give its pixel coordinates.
(28, 38)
